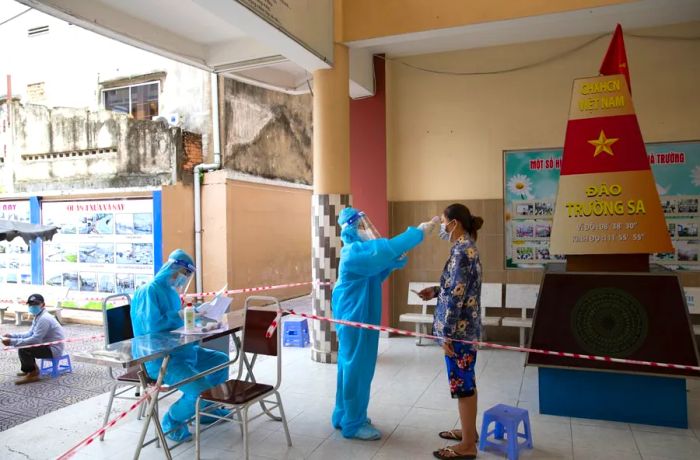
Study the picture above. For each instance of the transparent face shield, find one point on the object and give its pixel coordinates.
(183, 277)
(365, 229)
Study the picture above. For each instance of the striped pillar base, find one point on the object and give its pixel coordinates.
(326, 246)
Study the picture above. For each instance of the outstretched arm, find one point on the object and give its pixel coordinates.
(369, 258)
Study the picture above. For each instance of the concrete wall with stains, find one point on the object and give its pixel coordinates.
(267, 134)
(65, 149)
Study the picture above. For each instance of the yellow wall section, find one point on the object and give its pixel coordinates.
(255, 235)
(446, 134)
(364, 19)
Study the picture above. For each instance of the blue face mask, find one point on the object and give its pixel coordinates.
(34, 310)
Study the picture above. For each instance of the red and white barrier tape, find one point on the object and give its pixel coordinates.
(261, 288)
(69, 340)
(200, 294)
(562, 354)
(90, 438)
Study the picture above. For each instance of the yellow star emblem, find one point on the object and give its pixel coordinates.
(602, 144)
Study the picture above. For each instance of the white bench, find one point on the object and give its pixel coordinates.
(491, 297)
(692, 299)
(524, 298)
(53, 296)
(422, 319)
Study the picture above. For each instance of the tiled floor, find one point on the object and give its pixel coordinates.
(410, 404)
(19, 404)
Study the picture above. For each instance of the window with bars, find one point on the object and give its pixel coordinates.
(141, 100)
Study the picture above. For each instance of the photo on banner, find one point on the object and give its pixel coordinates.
(531, 180)
(15, 260)
(103, 247)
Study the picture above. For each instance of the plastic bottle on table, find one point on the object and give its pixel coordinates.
(189, 317)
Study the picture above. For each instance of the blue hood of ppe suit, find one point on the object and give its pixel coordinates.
(155, 306)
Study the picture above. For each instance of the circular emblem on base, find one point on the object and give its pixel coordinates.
(609, 322)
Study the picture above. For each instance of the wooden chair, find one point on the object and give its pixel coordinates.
(117, 327)
(240, 395)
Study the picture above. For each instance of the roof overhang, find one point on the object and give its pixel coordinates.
(229, 38)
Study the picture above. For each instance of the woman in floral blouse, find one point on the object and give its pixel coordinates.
(458, 316)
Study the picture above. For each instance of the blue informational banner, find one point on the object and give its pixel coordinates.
(531, 179)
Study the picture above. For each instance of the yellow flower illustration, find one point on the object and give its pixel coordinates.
(471, 302)
(471, 253)
(462, 326)
(459, 290)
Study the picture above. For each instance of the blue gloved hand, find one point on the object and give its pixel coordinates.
(400, 263)
(428, 227)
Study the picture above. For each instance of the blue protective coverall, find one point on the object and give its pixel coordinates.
(155, 307)
(357, 296)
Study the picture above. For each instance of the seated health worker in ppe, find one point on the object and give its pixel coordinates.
(157, 307)
(366, 260)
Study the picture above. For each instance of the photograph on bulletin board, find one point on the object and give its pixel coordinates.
(531, 179)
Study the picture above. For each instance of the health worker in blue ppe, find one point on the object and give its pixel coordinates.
(366, 260)
(157, 307)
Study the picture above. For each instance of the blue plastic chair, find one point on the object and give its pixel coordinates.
(507, 420)
(54, 366)
(296, 332)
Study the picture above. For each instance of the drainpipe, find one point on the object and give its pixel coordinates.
(203, 167)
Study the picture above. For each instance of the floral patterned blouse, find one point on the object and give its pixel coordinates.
(458, 309)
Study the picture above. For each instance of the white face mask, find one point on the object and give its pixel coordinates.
(444, 234)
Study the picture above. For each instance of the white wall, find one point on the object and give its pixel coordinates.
(72, 61)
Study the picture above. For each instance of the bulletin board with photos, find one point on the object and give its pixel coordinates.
(15, 259)
(531, 179)
(102, 246)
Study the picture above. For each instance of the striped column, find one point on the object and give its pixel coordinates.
(326, 246)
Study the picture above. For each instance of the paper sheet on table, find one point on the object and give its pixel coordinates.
(215, 308)
(198, 330)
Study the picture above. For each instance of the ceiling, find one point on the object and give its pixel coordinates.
(226, 38)
(634, 15)
(222, 37)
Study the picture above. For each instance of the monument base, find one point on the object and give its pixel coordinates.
(608, 263)
(615, 396)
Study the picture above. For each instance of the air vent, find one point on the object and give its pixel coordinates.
(36, 31)
(71, 154)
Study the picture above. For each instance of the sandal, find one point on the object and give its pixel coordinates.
(449, 453)
(453, 436)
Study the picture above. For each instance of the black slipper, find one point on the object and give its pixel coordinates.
(452, 436)
(447, 453)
